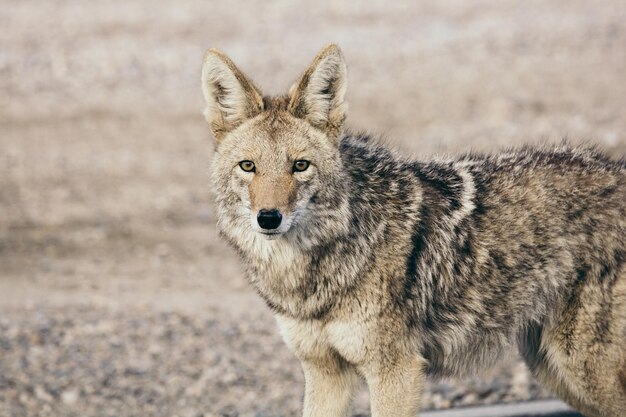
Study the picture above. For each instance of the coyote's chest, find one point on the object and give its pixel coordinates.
(311, 339)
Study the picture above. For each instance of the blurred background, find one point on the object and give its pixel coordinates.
(116, 296)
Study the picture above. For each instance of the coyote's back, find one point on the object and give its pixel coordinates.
(390, 269)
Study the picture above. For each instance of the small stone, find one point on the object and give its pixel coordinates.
(70, 396)
(469, 399)
(42, 394)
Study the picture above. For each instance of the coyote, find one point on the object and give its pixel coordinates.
(391, 270)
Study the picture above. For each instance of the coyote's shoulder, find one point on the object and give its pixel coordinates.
(391, 268)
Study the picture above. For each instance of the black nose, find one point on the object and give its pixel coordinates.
(269, 219)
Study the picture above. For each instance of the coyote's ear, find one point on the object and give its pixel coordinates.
(230, 97)
(319, 96)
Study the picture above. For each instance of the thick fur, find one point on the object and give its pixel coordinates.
(392, 270)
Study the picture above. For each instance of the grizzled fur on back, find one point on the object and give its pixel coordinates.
(387, 265)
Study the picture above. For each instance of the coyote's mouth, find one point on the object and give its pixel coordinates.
(270, 235)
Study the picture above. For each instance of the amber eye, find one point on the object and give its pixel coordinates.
(247, 166)
(300, 165)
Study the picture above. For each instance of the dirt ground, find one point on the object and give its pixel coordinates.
(116, 296)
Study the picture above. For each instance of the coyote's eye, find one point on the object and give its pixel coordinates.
(300, 165)
(247, 166)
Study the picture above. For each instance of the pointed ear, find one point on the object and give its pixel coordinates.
(319, 96)
(230, 97)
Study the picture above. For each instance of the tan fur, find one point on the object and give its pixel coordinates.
(310, 97)
(231, 98)
(588, 367)
(272, 191)
(392, 270)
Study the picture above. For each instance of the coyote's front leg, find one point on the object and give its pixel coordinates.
(396, 386)
(329, 384)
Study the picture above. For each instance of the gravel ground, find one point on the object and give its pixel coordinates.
(116, 295)
(84, 361)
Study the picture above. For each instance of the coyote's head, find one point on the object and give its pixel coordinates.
(277, 163)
